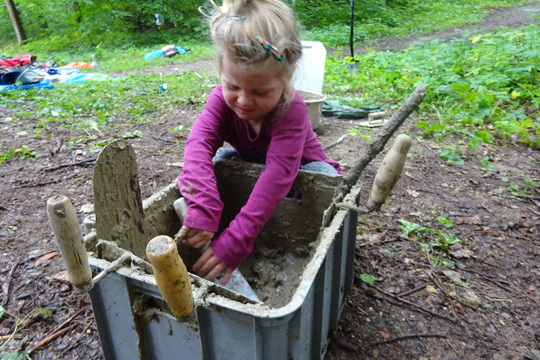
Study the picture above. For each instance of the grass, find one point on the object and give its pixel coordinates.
(481, 88)
(419, 18)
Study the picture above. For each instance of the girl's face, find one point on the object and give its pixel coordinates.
(252, 94)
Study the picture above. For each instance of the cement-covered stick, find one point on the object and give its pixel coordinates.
(69, 239)
(171, 275)
(389, 172)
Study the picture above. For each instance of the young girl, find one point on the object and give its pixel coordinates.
(257, 112)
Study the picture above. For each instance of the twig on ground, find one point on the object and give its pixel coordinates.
(447, 294)
(407, 337)
(87, 162)
(168, 141)
(88, 322)
(40, 184)
(499, 284)
(412, 291)
(44, 183)
(57, 331)
(7, 284)
(379, 242)
(535, 212)
(52, 337)
(453, 347)
(421, 308)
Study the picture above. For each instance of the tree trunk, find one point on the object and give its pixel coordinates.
(16, 21)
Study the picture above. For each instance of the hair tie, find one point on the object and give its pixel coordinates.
(233, 17)
(271, 49)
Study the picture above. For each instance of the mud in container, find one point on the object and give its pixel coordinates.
(300, 271)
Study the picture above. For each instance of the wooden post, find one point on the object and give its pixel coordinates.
(16, 21)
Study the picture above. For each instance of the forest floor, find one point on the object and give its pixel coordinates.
(476, 299)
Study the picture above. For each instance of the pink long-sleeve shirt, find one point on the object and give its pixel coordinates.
(283, 145)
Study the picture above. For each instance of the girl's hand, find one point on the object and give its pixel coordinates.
(195, 237)
(209, 266)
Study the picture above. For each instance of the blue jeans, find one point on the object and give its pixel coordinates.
(315, 166)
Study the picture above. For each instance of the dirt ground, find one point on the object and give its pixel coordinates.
(483, 305)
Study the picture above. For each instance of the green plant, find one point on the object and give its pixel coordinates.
(487, 163)
(529, 181)
(19, 152)
(367, 278)
(435, 244)
(451, 157)
(20, 323)
(482, 89)
(91, 106)
(179, 130)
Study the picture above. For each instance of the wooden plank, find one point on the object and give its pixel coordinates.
(117, 198)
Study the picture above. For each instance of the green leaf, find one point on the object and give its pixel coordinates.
(445, 221)
(2, 311)
(45, 312)
(16, 356)
(367, 278)
(451, 157)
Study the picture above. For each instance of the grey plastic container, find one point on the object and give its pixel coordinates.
(309, 273)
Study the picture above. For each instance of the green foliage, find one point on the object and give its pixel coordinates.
(367, 278)
(20, 153)
(330, 21)
(70, 24)
(520, 187)
(92, 105)
(482, 89)
(435, 244)
(451, 157)
(19, 324)
(16, 355)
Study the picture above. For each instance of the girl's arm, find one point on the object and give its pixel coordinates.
(283, 160)
(197, 182)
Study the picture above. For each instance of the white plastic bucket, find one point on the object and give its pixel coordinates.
(314, 103)
(309, 74)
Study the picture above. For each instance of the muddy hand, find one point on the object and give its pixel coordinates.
(195, 238)
(209, 266)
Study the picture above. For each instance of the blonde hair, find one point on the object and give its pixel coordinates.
(236, 26)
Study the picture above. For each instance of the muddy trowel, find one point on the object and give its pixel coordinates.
(238, 282)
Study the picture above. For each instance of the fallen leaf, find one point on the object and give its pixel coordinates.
(431, 289)
(473, 220)
(412, 192)
(384, 335)
(87, 208)
(408, 174)
(452, 275)
(471, 295)
(460, 252)
(44, 258)
(62, 277)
